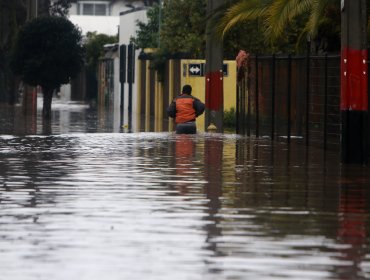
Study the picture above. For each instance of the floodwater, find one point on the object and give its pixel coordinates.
(85, 202)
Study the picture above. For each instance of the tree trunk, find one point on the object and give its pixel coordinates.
(46, 109)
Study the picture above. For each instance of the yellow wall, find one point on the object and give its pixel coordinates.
(198, 85)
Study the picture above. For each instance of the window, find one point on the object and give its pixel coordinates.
(90, 8)
(100, 10)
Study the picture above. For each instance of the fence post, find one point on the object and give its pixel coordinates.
(238, 90)
(249, 107)
(256, 99)
(326, 102)
(243, 99)
(289, 97)
(122, 80)
(308, 58)
(273, 98)
(130, 81)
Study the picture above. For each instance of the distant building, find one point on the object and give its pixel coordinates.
(101, 16)
(98, 7)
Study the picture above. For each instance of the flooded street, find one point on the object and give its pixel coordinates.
(88, 202)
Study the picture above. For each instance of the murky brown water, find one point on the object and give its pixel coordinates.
(107, 205)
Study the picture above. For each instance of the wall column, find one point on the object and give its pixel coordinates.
(214, 75)
(354, 81)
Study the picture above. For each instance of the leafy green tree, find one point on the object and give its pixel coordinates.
(309, 18)
(246, 37)
(48, 53)
(183, 27)
(95, 47)
(13, 14)
(59, 7)
(182, 30)
(267, 26)
(175, 27)
(147, 34)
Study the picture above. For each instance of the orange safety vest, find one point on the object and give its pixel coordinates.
(185, 111)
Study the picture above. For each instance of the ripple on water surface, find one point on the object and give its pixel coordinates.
(164, 206)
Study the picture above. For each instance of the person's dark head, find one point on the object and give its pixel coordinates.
(186, 89)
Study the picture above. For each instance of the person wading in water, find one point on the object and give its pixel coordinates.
(185, 108)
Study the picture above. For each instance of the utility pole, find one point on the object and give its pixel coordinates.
(130, 81)
(354, 82)
(213, 75)
(122, 80)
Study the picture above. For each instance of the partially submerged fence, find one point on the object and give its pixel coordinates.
(285, 97)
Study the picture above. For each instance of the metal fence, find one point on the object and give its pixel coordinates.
(285, 97)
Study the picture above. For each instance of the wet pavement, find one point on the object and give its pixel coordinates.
(87, 202)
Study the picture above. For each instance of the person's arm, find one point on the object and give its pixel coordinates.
(171, 110)
(198, 106)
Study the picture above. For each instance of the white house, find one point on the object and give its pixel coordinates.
(97, 16)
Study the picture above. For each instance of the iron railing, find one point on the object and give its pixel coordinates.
(285, 97)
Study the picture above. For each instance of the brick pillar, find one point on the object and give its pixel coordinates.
(214, 76)
(354, 81)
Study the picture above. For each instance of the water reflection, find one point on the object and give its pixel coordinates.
(78, 205)
(185, 156)
(353, 217)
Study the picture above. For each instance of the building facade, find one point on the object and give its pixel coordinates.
(100, 16)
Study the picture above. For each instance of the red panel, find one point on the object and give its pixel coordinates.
(354, 80)
(214, 90)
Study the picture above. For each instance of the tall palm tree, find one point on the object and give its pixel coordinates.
(276, 15)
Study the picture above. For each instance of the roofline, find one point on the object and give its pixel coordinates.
(133, 10)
